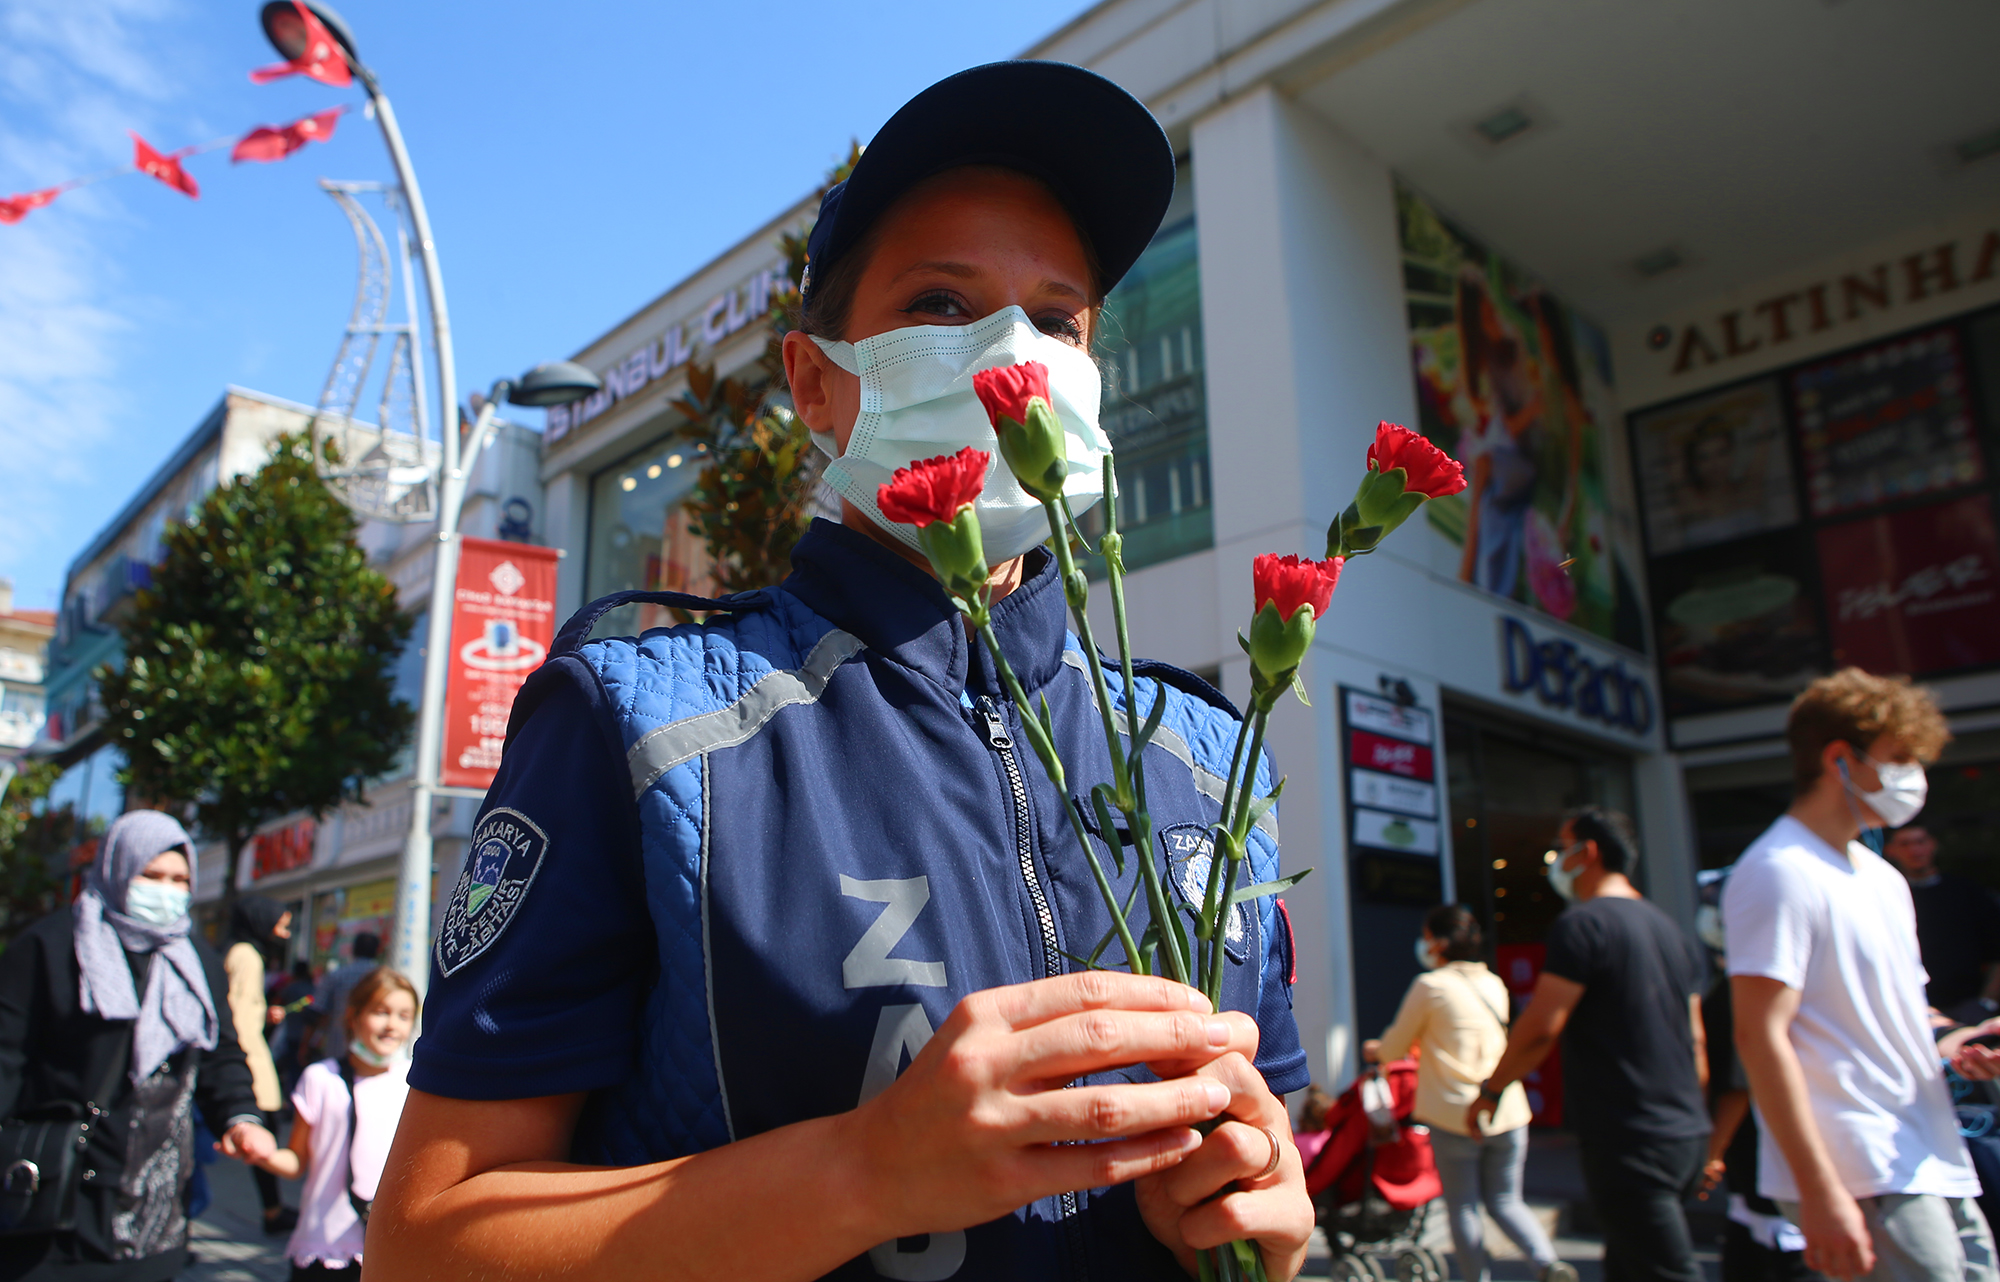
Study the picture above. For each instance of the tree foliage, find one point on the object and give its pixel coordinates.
(752, 500)
(34, 838)
(259, 667)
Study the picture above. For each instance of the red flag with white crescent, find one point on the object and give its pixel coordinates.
(275, 142)
(165, 168)
(321, 59)
(14, 208)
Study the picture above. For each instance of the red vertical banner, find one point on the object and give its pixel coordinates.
(503, 621)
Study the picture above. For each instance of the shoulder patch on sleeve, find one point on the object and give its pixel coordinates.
(506, 852)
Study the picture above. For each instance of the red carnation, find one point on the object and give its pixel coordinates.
(1429, 470)
(934, 489)
(1289, 582)
(1006, 391)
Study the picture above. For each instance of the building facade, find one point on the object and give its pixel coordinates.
(336, 873)
(1702, 296)
(24, 643)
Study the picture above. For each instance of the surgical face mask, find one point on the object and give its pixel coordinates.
(917, 402)
(1426, 954)
(1563, 880)
(155, 902)
(366, 1054)
(1901, 796)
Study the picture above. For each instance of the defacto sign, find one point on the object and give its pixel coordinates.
(503, 621)
(659, 356)
(1562, 675)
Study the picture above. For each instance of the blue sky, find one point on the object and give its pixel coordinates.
(577, 158)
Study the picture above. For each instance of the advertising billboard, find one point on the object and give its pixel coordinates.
(503, 621)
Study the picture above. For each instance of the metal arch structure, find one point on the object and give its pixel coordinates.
(386, 470)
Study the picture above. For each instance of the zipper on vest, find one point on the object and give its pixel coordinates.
(1001, 742)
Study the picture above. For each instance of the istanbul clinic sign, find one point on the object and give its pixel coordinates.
(725, 314)
(503, 621)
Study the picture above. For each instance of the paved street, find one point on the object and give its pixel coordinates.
(228, 1240)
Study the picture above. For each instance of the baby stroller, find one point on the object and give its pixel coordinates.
(1373, 1180)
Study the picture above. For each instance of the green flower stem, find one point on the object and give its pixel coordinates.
(1138, 819)
(1239, 835)
(1031, 726)
(1076, 589)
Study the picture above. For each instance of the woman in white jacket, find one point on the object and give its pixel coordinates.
(1456, 1013)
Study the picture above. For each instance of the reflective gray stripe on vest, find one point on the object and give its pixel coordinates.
(1208, 783)
(660, 750)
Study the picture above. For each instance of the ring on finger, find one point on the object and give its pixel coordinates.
(1271, 1165)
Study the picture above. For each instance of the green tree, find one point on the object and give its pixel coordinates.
(34, 838)
(259, 667)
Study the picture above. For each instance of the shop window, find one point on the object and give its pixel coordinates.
(339, 915)
(639, 536)
(1841, 511)
(1155, 408)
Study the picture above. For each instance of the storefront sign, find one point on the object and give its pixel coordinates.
(1917, 591)
(1883, 288)
(285, 850)
(1563, 676)
(502, 624)
(1392, 801)
(724, 315)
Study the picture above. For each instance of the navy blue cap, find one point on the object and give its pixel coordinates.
(1095, 145)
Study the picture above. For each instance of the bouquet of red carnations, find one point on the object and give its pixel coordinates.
(937, 497)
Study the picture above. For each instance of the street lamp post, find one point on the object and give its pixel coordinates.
(554, 384)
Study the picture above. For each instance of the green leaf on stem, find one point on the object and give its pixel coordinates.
(1109, 829)
(1261, 806)
(1278, 887)
(1152, 723)
(1088, 963)
(1299, 688)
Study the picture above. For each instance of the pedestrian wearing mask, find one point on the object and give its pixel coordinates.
(1621, 986)
(258, 928)
(346, 1112)
(111, 1000)
(810, 851)
(1455, 1014)
(1860, 1145)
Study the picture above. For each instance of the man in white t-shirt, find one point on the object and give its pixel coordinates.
(1860, 1145)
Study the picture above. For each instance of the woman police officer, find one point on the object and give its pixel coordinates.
(732, 877)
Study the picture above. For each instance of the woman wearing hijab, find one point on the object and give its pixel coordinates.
(116, 980)
(258, 928)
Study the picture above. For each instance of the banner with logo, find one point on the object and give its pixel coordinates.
(503, 621)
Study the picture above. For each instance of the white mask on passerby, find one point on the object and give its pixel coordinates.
(1563, 880)
(155, 902)
(917, 402)
(1899, 798)
(1426, 953)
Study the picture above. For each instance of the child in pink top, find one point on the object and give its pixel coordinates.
(341, 1138)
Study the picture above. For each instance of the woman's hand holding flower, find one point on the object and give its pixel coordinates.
(1272, 1210)
(981, 1123)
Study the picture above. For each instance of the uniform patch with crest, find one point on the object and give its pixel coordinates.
(1190, 850)
(506, 853)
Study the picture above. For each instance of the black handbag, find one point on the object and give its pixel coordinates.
(41, 1156)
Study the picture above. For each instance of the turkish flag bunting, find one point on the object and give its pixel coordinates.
(321, 59)
(165, 168)
(275, 142)
(14, 208)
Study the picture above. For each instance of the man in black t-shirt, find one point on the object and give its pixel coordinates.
(1958, 928)
(1621, 987)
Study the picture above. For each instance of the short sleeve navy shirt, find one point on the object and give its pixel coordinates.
(557, 1007)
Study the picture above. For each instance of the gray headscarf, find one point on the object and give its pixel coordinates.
(177, 1009)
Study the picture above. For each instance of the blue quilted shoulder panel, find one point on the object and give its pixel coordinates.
(676, 1106)
(1210, 734)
